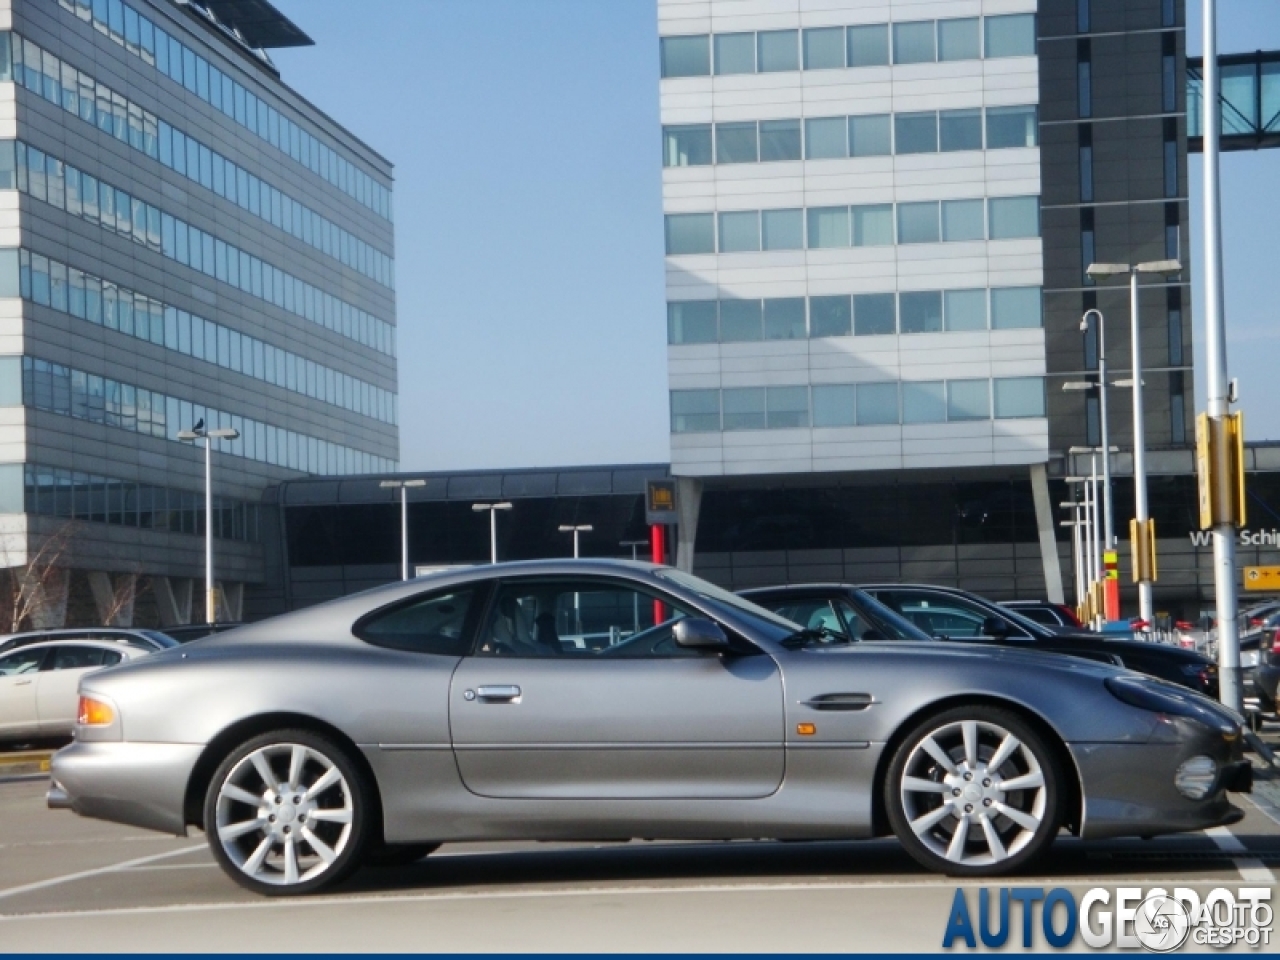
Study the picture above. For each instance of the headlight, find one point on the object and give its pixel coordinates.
(1160, 697)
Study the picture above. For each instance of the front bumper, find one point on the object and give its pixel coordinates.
(141, 784)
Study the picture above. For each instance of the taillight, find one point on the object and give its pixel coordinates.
(94, 713)
(1255, 621)
(1275, 642)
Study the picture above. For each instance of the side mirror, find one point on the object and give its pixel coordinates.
(994, 627)
(697, 633)
(873, 636)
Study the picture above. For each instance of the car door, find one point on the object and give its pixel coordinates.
(18, 672)
(57, 685)
(576, 689)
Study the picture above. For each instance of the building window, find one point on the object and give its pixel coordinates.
(695, 411)
(782, 229)
(1085, 138)
(959, 130)
(784, 318)
(1174, 303)
(914, 42)
(825, 138)
(830, 317)
(1082, 15)
(833, 406)
(873, 225)
(737, 143)
(965, 310)
(744, 408)
(1016, 308)
(1170, 157)
(1088, 245)
(1011, 36)
(828, 227)
(963, 220)
(924, 402)
(959, 39)
(740, 232)
(688, 233)
(1172, 233)
(870, 136)
(788, 407)
(735, 53)
(1092, 421)
(1011, 127)
(779, 140)
(824, 48)
(869, 45)
(1018, 397)
(1084, 79)
(1168, 13)
(918, 222)
(920, 312)
(778, 51)
(1169, 72)
(968, 400)
(874, 314)
(877, 404)
(915, 132)
(1177, 407)
(686, 56)
(686, 146)
(741, 321)
(1014, 217)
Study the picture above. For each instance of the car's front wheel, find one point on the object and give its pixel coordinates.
(287, 813)
(974, 792)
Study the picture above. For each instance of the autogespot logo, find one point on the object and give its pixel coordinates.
(1157, 920)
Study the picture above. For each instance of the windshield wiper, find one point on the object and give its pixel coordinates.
(802, 638)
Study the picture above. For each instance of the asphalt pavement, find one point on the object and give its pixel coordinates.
(70, 884)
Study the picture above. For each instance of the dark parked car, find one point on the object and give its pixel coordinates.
(1044, 612)
(956, 615)
(1266, 676)
(149, 640)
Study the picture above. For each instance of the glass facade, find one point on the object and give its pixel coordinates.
(863, 404)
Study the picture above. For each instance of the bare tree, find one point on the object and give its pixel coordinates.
(25, 584)
(125, 591)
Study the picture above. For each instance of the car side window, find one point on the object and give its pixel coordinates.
(434, 623)
(584, 618)
(810, 614)
(81, 658)
(20, 662)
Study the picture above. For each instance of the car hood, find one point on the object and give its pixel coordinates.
(935, 650)
(1123, 645)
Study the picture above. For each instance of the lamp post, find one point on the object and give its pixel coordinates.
(198, 432)
(1077, 551)
(1146, 607)
(403, 486)
(575, 530)
(1109, 533)
(493, 509)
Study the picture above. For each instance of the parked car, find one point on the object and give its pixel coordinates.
(481, 715)
(1265, 674)
(1046, 613)
(149, 640)
(957, 615)
(38, 684)
(185, 633)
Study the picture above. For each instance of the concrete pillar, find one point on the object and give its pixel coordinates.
(173, 600)
(114, 597)
(1047, 530)
(46, 589)
(688, 506)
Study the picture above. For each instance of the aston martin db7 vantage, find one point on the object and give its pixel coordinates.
(573, 700)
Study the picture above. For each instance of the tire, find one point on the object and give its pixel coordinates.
(952, 810)
(397, 854)
(296, 840)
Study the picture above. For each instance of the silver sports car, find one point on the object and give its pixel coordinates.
(577, 700)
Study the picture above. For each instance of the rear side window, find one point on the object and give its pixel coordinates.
(80, 658)
(435, 623)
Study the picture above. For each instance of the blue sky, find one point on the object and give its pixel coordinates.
(529, 219)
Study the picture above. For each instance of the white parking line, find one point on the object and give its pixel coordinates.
(1251, 870)
(114, 868)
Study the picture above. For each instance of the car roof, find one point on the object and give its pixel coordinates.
(68, 641)
(55, 633)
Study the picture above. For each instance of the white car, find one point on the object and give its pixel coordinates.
(38, 684)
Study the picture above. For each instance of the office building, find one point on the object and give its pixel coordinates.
(183, 239)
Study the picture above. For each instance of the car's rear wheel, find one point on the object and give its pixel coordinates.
(287, 813)
(974, 792)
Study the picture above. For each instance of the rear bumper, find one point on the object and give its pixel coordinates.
(141, 784)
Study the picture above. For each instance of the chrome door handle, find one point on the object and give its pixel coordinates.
(506, 693)
(23, 683)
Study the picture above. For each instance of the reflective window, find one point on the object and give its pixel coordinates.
(959, 39)
(695, 411)
(686, 146)
(735, 53)
(1014, 217)
(965, 310)
(741, 321)
(824, 48)
(873, 225)
(914, 42)
(825, 138)
(779, 140)
(869, 45)
(963, 220)
(433, 624)
(744, 408)
(870, 136)
(778, 51)
(1011, 36)
(828, 227)
(920, 312)
(692, 321)
(918, 223)
(737, 143)
(924, 402)
(960, 130)
(1014, 308)
(1019, 397)
(784, 318)
(874, 314)
(788, 407)
(739, 232)
(877, 404)
(968, 400)
(833, 406)
(84, 658)
(782, 229)
(21, 662)
(915, 132)
(686, 56)
(1012, 127)
(830, 317)
(689, 233)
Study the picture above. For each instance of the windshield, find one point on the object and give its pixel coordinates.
(162, 639)
(889, 622)
(774, 626)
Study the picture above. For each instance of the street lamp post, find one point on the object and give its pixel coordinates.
(1077, 545)
(1109, 532)
(403, 486)
(493, 509)
(575, 530)
(198, 432)
(1146, 606)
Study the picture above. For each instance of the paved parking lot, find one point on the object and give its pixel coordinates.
(72, 884)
